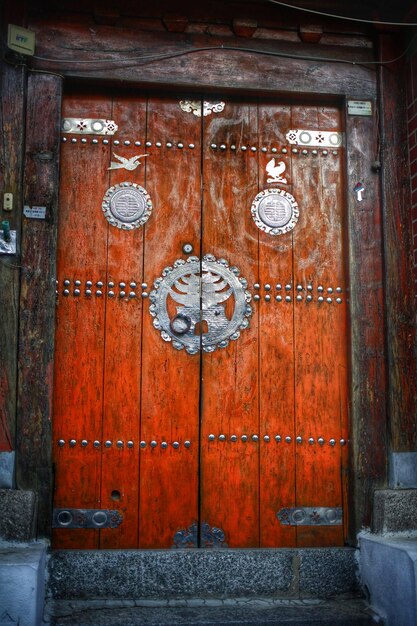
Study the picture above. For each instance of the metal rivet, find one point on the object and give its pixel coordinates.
(96, 444)
(320, 299)
(222, 437)
(304, 152)
(266, 438)
(278, 298)
(256, 286)
(132, 294)
(284, 151)
(66, 292)
(267, 287)
(84, 443)
(176, 445)
(105, 141)
(169, 144)
(335, 152)
(244, 437)
(274, 150)
(329, 300)
(132, 285)
(137, 143)
(119, 444)
(233, 438)
(325, 153)
(144, 285)
(72, 442)
(122, 285)
(309, 287)
(233, 147)
(243, 148)
(299, 298)
(299, 439)
(108, 443)
(278, 286)
(122, 294)
(311, 441)
(256, 297)
(110, 284)
(278, 438)
(73, 140)
(288, 298)
(144, 294)
(94, 141)
(111, 294)
(89, 283)
(187, 443)
(342, 442)
(332, 442)
(287, 287)
(191, 145)
(164, 445)
(329, 290)
(83, 140)
(127, 142)
(211, 437)
(288, 439)
(180, 145)
(294, 151)
(315, 152)
(339, 300)
(64, 139)
(339, 289)
(253, 148)
(223, 146)
(130, 444)
(153, 443)
(309, 298)
(320, 440)
(61, 442)
(299, 287)
(264, 150)
(187, 248)
(77, 283)
(116, 142)
(142, 444)
(213, 146)
(320, 288)
(255, 438)
(67, 282)
(267, 297)
(100, 284)
(76, 292)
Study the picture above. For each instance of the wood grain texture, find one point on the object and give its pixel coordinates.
(37, 297)
(398, 274)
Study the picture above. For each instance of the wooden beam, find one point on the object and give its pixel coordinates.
(37, 298)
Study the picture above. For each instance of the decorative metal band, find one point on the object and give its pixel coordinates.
(275, 211)
(201, 287)
(88, 126)
(127, 205)
(287, 292)
(210, 537)
(316, 138)
(311, 516)
(195, 107)
(86, 518)
(121, 444)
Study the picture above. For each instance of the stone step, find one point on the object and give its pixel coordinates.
(216, 573)
(199, 612)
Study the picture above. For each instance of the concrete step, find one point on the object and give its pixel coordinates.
(199, 612)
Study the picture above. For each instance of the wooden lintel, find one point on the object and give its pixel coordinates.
(244, 28)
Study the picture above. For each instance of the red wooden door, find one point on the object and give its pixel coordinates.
(177, 423)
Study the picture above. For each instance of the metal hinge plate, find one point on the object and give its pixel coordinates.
(86, 518)
(311, 516)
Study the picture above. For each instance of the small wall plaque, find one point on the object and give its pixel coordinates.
(359, 107)
(34, 212)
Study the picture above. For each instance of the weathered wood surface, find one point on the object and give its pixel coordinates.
(12, 112)
(368, 383)
(171, 59)
(398, 262)
(37, 297)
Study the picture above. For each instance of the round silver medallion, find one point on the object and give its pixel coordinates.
(200, 305)
(275, 211)
(127, 205)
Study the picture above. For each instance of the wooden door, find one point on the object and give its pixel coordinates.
(200, 367)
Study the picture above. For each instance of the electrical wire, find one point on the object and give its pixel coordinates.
(342, 17)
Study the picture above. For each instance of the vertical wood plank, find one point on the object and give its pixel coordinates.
(37, 297)
(170, 378)
(276, 361)
(79, 354)
(229, 403)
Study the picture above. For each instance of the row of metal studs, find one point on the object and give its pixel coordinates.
(278, 439)
(120, 444)
(116, 142)
(274, 150)
(299, 298)
(100, 285)
(299, 287)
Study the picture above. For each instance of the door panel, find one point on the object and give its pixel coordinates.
(200, 449)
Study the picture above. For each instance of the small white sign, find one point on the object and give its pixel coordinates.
(34, 212)
(359, 107)
(21, 40)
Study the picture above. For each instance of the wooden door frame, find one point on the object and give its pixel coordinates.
(364, 244)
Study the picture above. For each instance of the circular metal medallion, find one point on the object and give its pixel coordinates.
(127, 205)
(214, 304)
(275, 211)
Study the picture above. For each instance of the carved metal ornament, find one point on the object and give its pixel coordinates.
(316, 138)
(275, 172)
(86, 518)
(87, 126)
(195, 107)
(275, 211)
(201, 288)
(311, 516)
(210, 537)
(127, 164)
(127, 205)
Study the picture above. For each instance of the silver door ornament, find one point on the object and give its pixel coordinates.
(200, 288)
(195, 107)
(127, 164)
(88, 126)
(275, 211)
(315, 138)
(275, 172)
(127, 206)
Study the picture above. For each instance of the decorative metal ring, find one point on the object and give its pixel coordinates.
(275, 211)
(127, 206)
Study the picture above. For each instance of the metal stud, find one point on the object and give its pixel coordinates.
(137, 143)
(233, 438)
(122, 294)
(299, 439)
(267, 297)
(213, 146)
(67, 282)
(119, 444)
(288, 439)
(335, 152)
(158, 144)
(222, 437)
(122, 285)
(253, 148)
(77, 283)
(144, 285)
(176, 445)
(339, 289)
(164, 445)
(329, 300)
(274, 150)
(169, 144)
(211, 437)
(61, 443)
(187, 443)
(96, 444)
(73, 140)
(191, 145)
(148, 144)
(304, 152)
(294, 151)
(84, 443)
(72, 442)
(320, 299)
(256, 297)
(309, 287)
(116, 142)
(233, 147)
(255, 438)
(332, 442)
(89, 283)
(314, 152)
(180, 145)
(278, 286)
(320, 288)
(64, 139)
(309, 298)
(132, 294)
(299, 287)
(110, 284)
(244, 438)
(299, 298)
(127, 142)
(256, 286)
(66, 292)
(267, 287)
(222, 146)
(243, 148)
(284, 151)
(339, 300)
(320, 440)
(108, 443)
(142, 444)
(153, 443)
(278, 438)
(329, 290)
(100, 284)
(267, 438)
(111, 294)
(342, 442)
(83, 140)
(278, 298)
(76, 292)
(264, 149)
(105, 141)
(132, 285)
(144, 294)
(287, 287)
(287, 298)
(325, 153)
(311, 440)
(130, 444)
